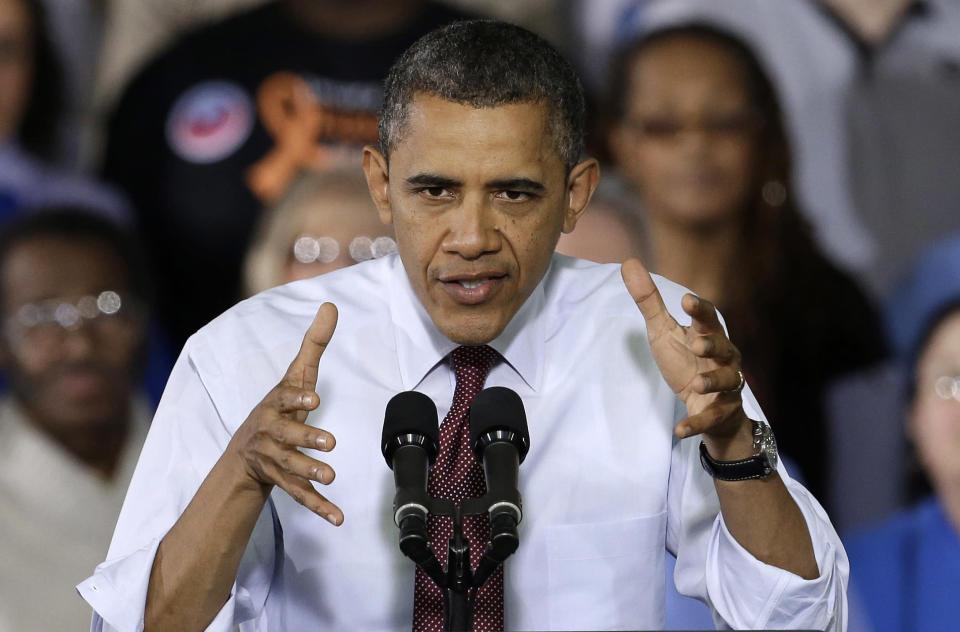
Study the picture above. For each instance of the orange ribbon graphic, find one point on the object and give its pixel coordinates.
(307, 134)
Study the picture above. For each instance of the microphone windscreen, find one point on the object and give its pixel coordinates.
(410, 412)
(497, 408)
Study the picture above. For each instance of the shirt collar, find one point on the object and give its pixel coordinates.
(420, 346)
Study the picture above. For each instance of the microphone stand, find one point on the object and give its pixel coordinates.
(458, 598)
(460, 582)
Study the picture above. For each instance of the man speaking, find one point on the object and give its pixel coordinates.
(622, 378)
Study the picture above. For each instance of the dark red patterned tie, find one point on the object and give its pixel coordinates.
(457, 475)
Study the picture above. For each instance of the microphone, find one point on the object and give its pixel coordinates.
(409, 444)
(499, 436)
(498, 433)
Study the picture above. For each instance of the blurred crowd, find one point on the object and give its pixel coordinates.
(797, 162)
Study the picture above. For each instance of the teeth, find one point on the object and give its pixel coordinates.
(473, 284)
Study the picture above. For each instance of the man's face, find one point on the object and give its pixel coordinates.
(69, 378)
(478, 198)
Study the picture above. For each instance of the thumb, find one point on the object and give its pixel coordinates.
(302, 372)
(644, 291)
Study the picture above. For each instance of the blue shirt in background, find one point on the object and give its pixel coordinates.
(905, 572)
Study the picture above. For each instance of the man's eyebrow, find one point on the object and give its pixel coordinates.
(432, 180)
(517, 184)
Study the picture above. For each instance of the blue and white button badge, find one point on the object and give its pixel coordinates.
(210, 121)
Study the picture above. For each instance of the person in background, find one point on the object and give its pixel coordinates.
(73, 310)
(134, 31)
(30, 99)
(613, 230)
(696, 127)
(906, 569)
(325, 221)
(217, 127)
(871, 100)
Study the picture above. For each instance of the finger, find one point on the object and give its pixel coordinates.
(719, 380)
(646, 295)
(712, 418)
(303, 492)
(715, 347)
(295, 463)
(703, 313)
(296, 434)
(303, 370)
(277, 461)
(291, 399)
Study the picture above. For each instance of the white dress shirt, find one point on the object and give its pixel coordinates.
(606, 486)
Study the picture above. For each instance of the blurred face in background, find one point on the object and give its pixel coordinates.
(339, 228)
(16, 64)
(687, 139)
(72, 333)
(934, 423)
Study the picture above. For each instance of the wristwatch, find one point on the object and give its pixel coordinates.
(762, 464)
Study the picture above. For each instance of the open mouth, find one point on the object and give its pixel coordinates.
(473, 289)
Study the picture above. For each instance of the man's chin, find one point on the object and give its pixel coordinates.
(473, 330)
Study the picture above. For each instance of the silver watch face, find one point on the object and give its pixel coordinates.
(764, 443)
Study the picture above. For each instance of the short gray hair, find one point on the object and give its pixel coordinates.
(486, 63)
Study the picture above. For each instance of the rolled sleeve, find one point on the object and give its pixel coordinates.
(186, 438)
(117, 592)
(224, 621)
(777, 598)
(741, 591)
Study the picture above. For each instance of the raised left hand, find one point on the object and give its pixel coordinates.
(699, 362)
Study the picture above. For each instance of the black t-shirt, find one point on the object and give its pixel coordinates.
(193, 128)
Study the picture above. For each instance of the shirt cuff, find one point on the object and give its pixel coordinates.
(117, 592)
(748, 593)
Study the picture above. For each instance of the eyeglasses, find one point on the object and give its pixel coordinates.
(307, 249)
(669, 128)
(947, 387)
(46, 324)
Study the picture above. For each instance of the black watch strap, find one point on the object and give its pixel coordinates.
(745, 469)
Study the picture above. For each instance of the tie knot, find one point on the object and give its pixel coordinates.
(473, 362)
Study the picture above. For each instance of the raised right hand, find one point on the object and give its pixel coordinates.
(267, 441)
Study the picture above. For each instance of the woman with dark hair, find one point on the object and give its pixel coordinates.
(695, 125)
(30, 101)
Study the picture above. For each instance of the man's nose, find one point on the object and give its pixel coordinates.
(79, 343)
(472, 230)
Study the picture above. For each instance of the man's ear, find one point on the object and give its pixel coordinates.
(581, 183)
(378, 181)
